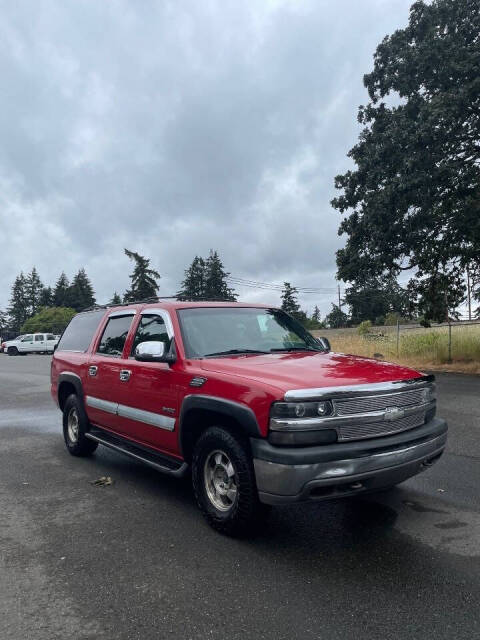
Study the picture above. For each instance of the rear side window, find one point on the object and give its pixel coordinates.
(114, 336)
(39, 337)
(79, 333)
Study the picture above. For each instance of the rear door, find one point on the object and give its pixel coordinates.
(39, 342)
(103, 385)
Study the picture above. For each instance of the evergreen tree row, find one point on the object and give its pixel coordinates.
(29, 295)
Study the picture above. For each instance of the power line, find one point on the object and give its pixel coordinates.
(244, 282)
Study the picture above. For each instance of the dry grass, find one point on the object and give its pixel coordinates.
(417, 348)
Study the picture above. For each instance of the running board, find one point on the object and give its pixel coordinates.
(152, 458)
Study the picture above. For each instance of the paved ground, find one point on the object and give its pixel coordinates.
(135, 560)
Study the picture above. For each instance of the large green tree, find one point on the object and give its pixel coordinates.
(374, 298)
(289, 299)
(46, 297)
(61, 292)
(81, 294)
(143, 279)
(33, 289)
(413, 198)
(216, 286)
(336, 318)
(193, 285)
(18, 311)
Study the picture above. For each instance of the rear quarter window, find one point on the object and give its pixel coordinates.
(79, 333)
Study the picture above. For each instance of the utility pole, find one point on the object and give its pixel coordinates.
(469, 295)
(339, 301)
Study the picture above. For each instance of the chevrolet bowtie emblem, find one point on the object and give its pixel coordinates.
(393, 413)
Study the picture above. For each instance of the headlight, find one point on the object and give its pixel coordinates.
(429, 394)
(294, 410)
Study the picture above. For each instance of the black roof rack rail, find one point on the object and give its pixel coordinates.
(95, 307)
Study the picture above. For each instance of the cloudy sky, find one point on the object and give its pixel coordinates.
(174, 127)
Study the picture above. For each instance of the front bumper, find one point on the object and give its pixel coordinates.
(332, 471)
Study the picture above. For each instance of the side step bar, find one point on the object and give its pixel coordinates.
(152, 458)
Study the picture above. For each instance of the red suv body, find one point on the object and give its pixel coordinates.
(244, 397)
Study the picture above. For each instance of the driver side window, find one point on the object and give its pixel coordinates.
(150, 328)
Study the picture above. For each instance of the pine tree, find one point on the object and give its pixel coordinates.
(3, 321)
(289, 299)
(144, 279)
(316, 314)
(81, 294)
(216, 287)
(33, 289)
(336, 318)
(61, 293)
(193, 285)
(46, 297)
(18, 310)
(116, 299)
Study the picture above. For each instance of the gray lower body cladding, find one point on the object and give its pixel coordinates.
(286, 475)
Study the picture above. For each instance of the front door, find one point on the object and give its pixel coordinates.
(39, 343)
(148, 398)
(26, 344)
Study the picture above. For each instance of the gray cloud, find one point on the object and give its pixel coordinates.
(171, 128)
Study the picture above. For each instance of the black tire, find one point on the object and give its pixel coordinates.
(12, 351)
(75, 421)
(245, 511)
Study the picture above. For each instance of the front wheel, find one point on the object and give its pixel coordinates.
(224, 482)
(12, 351)
(75, 425)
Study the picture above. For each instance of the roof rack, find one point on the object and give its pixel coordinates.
(95, 307)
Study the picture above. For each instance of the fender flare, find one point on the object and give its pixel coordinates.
(239, 412)
(72, 378)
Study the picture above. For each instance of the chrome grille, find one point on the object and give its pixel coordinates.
(353, 406)
(376, 429)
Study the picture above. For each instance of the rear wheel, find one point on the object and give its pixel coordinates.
(224, 482)
(75, 425)
(12, 351)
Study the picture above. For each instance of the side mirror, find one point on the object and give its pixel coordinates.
(153, 351)
(325, 342)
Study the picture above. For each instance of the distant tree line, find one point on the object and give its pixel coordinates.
(29, 296)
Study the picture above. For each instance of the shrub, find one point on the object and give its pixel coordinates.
(364, 327)
(49, 319)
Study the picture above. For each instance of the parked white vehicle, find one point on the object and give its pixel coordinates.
(31, 343)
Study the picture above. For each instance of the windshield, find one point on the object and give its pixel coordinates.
(217, 331)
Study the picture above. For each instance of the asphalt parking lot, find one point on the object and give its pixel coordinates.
(136, 560)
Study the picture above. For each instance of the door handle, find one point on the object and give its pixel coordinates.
(125, 375)
(92, 371)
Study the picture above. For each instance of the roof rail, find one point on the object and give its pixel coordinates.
(152, 299)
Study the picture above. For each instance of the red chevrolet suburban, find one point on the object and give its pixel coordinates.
(243, 397)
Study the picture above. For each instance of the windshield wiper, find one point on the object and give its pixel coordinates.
(280, 349)
(234, 352)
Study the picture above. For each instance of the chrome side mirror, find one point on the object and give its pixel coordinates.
(153, 351)
(325, 342)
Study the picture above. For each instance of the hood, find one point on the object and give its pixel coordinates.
(304, 370)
